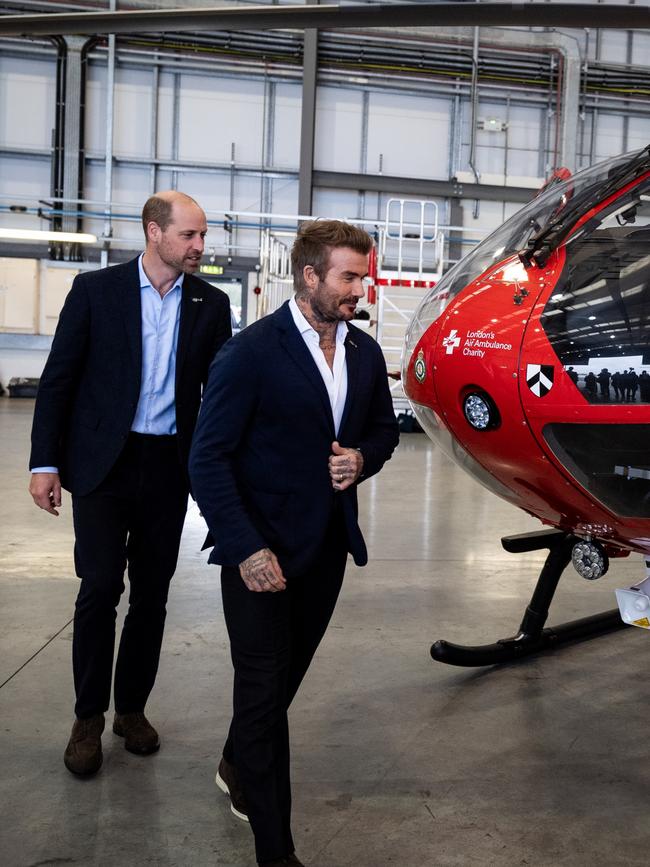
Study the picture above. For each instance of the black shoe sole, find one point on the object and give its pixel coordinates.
(83, 773)
(138, 751)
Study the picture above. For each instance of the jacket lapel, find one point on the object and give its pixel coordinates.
(191, 303)
(131, 309)
(292, 341)
(352, 363)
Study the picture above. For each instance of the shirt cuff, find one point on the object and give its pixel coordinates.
(44, 470)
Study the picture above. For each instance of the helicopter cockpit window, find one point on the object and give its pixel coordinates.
(596, 319)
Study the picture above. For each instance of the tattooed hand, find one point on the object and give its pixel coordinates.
(261, 572)
(345, 466)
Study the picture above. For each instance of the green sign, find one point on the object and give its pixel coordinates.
(211, 269)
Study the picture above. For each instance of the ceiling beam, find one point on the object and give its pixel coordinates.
(422, 187)
(332, 17)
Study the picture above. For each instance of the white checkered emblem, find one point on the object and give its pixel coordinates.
(539, 378)
(451, 341)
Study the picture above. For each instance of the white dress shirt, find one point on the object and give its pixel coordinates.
(336, 379)
(156, 410)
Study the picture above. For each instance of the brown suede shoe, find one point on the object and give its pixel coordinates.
(140, 737)
(228, 782)
(83, 755)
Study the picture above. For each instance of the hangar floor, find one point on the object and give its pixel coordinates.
(397, 760)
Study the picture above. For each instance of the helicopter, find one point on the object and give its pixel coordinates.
(528, 363)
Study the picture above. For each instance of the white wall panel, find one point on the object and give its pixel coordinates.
(609, 136)
(95, 117)
(18, 295)
(132, 111)
(214, 112)
(641, 47)
(165, 116)
(491, 216)
(130, 188)
(27, 98)
(286, 132)
(524, 124)
(247, 194)
(212, 191)
(55, 283)
(132, 126)
(522, 140)
(337, 145)
(23, 176)
(337, 204)
(638, 132)
(285, 196)
(21, 362)
(613, 46)
(412, 133)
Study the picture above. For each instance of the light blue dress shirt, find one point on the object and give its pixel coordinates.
(156, 410)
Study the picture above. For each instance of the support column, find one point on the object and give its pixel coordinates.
(308, 121)
(455, 249)
(69, 162)
(108, 155)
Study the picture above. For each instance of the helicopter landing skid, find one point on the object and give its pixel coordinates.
(532, 637)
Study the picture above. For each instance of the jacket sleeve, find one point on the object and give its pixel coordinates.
(227, 409)
(60, 377)
(380, 433)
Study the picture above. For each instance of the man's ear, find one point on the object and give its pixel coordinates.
(153, 231)
(310, 277)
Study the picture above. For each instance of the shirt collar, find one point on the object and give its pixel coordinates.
(145, 281)
(304, 327)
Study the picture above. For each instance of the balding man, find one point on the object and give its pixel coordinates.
(113, 423)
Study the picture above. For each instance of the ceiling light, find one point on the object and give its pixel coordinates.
(39, 235)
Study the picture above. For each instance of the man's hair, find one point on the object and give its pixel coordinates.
(315, 241)
(158, 209)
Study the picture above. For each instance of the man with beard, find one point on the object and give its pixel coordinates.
(113, 423)
(297, 412)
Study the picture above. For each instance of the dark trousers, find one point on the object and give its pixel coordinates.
(134, 517)
(273, 637)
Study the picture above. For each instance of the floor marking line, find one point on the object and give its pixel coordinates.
(34, 655)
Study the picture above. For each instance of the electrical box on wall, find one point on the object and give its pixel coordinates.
(18, 295)
(491, 124)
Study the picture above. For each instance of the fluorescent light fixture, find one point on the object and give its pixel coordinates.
(38, 235)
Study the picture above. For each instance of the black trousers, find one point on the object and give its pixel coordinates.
(273, 637)
(134, 517)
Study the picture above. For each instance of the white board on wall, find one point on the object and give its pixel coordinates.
(18, 295)
(55, 285)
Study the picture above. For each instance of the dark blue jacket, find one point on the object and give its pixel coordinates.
(90, 386)
(259, 460)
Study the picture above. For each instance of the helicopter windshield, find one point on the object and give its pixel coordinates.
(507, 240)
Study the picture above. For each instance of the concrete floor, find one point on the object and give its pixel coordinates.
(397, 760)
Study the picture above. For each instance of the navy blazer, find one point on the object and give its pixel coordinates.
(259, 460)
(89, 389)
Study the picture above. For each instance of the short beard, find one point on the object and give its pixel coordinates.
(319, 315)
(177, 264)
